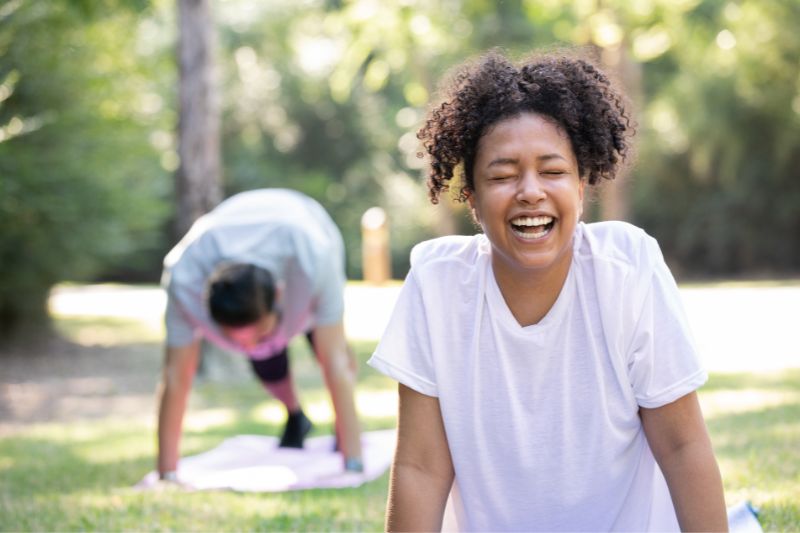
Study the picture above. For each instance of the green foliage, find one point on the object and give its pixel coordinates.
(717, 175)
(329, 103)
(80, 186)
(325, 96)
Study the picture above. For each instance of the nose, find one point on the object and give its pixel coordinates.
(530, 189)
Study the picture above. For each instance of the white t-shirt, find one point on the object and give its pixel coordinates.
(282, 231)
(542, 421)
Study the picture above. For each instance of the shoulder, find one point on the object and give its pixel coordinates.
(449, 263)
(453, 251)
(618, 244)
(621, 263)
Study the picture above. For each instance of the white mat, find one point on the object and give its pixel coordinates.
(255, 463)
(742, 518)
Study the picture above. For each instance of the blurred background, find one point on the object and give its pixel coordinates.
(122, 121)
(325, 96)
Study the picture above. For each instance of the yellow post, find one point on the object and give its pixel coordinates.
(375, 254)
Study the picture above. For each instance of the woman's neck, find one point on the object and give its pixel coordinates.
(530, 294)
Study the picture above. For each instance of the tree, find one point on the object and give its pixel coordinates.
(80, 183)
(198, 177)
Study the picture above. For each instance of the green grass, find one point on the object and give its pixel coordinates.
(79, 476)
(754, 421)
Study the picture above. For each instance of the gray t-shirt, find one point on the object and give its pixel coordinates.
(282, 231)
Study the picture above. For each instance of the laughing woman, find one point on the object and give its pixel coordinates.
(546, 370)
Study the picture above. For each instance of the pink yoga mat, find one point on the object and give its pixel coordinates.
(255, 463)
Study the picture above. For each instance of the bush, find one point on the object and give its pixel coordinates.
(80, 185)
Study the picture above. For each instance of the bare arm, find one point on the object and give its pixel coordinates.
(422, 471)
(339, 370)
(180, 365)
(678, 437)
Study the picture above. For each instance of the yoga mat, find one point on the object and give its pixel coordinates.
(743, 518)
(255, 463)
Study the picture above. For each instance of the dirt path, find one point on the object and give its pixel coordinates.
(738, 329)
(57, 380)
(97, 374)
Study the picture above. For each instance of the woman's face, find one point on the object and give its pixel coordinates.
(528, 195)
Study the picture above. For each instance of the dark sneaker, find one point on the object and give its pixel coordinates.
(297, 427)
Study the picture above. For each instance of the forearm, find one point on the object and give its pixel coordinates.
(695, 485)
(170, 421)
(341, 383)
(178, 373)
(422, 470)
(416, 499)
(338, 366)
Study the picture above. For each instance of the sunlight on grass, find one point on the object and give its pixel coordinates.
(112, 313)
(754, 422)
(377, 404)
(275, 413)
(112, 449)
(80, 475)
(320, 411)
(727, 402)
(742, 284)
(106, 331)
(76, 432)
(209, 418)
(143, 303)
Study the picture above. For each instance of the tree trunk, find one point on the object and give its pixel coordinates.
(198, 177)
(615, 195)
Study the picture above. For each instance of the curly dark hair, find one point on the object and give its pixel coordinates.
(572, 91)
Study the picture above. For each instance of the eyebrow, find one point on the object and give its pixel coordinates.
(513, 161)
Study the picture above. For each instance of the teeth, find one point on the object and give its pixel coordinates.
(531, 235)
(535, 227)
(532, 221)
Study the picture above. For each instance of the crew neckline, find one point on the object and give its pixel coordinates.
(500, 309)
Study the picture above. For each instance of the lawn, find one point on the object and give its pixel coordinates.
(79, 474)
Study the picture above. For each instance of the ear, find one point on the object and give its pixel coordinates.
(581, 187)
(472, 208)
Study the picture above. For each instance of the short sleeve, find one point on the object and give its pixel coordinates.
(330, 298)
(329, 282)
(180, 331)
(404, 351)
(663, 364)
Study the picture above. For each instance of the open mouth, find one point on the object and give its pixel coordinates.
(532, 227)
